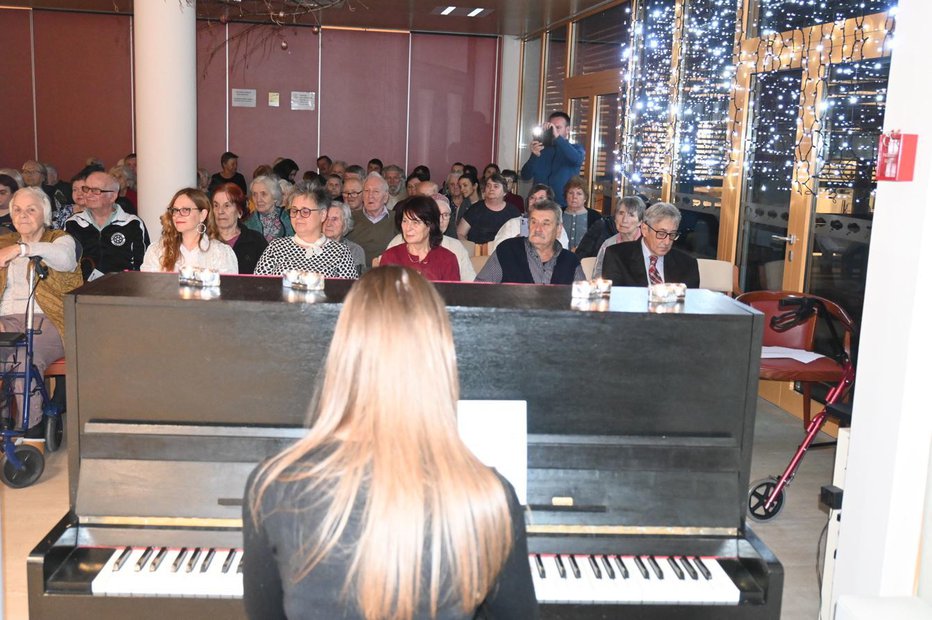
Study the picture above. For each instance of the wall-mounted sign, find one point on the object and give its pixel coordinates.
(273, 100)
(244, 97)
(301, 100)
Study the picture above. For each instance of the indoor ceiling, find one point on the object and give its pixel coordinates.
(506, 17)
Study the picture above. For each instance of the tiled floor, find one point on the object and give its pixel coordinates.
(27, 514)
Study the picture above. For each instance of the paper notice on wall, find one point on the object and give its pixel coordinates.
(244, 97)
(273, 100)
(301, 100)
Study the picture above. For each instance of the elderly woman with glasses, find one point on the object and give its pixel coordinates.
(308, 249)
(31, 211)
(269, 218)
(338, 224)
(189, 237)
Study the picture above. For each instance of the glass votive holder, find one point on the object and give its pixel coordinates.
(303, 280)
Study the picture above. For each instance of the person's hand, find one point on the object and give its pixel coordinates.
(536, 147)
(7, 255)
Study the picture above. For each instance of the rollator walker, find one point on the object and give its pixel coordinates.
(22, 464)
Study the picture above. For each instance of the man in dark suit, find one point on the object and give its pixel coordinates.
(652, 259)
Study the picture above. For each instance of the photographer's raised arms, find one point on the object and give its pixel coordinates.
(554, 159)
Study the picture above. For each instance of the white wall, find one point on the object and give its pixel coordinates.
(879, 539)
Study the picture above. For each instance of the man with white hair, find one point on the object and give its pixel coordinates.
(112, 239)
(373, 227)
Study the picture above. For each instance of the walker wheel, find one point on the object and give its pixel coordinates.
(54, 429)
(32, 464)
(757, 499)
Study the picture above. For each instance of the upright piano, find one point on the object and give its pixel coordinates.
(640, 429)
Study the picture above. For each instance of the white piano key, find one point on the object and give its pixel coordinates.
(725, 589)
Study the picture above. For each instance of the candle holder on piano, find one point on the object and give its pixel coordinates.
(303, 280)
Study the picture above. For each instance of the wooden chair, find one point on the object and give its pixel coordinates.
(802, 336)
(470, 246)
(478, 262)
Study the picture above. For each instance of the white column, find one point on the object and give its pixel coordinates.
(509, 111)
(879, 538)
(166, 104)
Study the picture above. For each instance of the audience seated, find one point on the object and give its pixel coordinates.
(485, 218)
(308, 249)
(652, 259)
(355, 172)
(36, 175)
(338, 167)
(323, 165)
(229, 209)
(121, 174)
(469, 188)
(338, 223)
(63, 188)
(419, 219)
(626, 220)
(8, 187)
(77, 202)
(334, 186)
(538, 258)
(285, 169)
(489, 171)
(111, 239)
(32, 215)
(511, 183)
(352, 195)
(229, 162)
(269, 218)
(467, 271)
(189, 237)
(374, 228)
(577, 217)
(374, 165)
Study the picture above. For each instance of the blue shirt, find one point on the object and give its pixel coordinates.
(555, 166)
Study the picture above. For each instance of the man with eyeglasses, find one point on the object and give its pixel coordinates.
(112, 239)
(652, 259)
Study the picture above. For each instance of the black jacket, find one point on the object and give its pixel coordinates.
(624, 266)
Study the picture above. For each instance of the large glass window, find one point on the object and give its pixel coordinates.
(781, 15)
(556, 71)
(650, 103)
(600, 39)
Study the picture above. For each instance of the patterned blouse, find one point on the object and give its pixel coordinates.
(328, 257)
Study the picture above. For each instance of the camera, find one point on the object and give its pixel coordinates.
(545, 137)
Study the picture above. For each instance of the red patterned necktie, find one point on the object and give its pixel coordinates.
(652, 274)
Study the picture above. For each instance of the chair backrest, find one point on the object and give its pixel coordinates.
(716, 275)
(801, 336)
(470, 246)
(588, 264)
(478, 262)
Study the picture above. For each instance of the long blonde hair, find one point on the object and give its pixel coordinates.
(386, 411)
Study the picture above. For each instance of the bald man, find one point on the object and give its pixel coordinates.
(112, 239)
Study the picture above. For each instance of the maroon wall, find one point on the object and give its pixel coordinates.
(83, 88)
(83, 100)
(453, 95)
(19, 140)
(363, 110)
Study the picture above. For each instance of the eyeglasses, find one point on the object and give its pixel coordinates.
(445, 215)
(182, 210)
(96, 191)
(351, 194)
(662, 234)
(301, 212)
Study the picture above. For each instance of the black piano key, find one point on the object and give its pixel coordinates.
(193, 561)
(595, 567)
(179, 559)
(143, 559)
(686, 564)
(207, 560)
(561, 569)
(227, 563)
(676, 568)
(239, 567)
(640, 564)
(622, 568)
(652, 561)
(608, 567)
(157, 561)
(540, 566)
(574, 567)
(702, 568)
(122, 559)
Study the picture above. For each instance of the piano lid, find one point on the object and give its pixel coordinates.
(637, 419)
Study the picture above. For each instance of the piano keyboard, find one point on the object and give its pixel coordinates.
(599, 579)
(166, 571)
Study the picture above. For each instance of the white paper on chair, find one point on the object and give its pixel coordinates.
(496, 432)
(799, 355)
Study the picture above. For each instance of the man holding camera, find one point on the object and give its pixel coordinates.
(554, 159)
